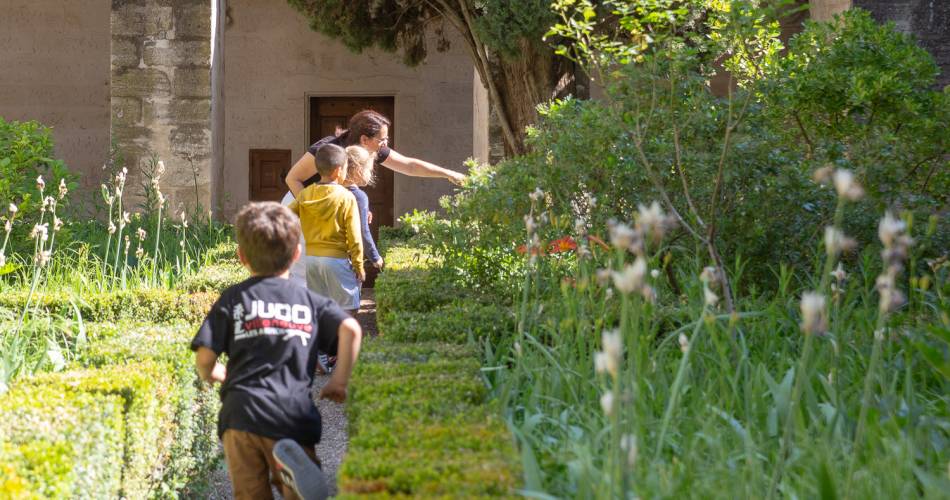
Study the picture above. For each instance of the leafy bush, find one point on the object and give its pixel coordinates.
(167, 437)
(26, 151)
(859, 95)
(737, 169)
(214, 277)
(458, 322)
(60, 444)
(160, 306)
(420, 425)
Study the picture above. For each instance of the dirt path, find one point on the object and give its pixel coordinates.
(332, 446)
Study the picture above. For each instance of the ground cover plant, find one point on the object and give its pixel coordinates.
(708, 304)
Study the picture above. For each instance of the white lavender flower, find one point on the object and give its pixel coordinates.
(814, 316)
(630, 279)
(846, 186)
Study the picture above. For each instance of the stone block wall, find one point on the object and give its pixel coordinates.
(161, 94)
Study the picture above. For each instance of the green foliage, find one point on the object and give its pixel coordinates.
(26, 151)
(160, 306)
(420, 421)
(156, 414)
(507, 26)
(60, 444)
(736, 169)
(420, 425)
(214, 277)
(860, 95)
(390, 25)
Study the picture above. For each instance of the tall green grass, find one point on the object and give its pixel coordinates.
(620, 391)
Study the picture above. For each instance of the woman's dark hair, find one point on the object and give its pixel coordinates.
(366, 122)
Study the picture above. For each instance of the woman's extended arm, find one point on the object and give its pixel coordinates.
(305, 168)
(417, 168)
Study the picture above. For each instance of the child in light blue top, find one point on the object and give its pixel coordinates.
(361, 166)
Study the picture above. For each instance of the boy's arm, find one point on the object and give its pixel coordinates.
(206, 361)
(349, 336)
(354, 238)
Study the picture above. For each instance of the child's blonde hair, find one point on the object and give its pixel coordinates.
(361, 166)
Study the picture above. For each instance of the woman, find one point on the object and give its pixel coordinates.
(370, 130)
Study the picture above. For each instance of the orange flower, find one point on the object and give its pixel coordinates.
(563, 244)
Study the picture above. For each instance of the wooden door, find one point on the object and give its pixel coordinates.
(268, 168)
(329, 114)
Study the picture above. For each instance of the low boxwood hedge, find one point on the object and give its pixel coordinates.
(145, 375)
(214, 277)
(421, 423)
(150, 305)
(60, 444)
(457, 322)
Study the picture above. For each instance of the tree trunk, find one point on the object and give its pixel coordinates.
(524, 82)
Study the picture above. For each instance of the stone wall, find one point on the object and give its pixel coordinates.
(54, 68)
(927, 20)
(274, 61)
(161, 93)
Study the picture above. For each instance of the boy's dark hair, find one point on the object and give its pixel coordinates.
(268, 234)
(328, 158)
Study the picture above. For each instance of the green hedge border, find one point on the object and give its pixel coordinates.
(129, 420)
(421, 423)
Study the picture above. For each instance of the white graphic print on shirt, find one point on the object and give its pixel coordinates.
(266, 318)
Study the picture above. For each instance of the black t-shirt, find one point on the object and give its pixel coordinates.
(339, 140)
(270, 328)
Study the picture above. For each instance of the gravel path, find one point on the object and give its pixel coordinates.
(332, 446)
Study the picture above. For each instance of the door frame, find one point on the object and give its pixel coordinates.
(345, 93)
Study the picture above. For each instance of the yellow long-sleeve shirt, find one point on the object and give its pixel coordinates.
(331, 222)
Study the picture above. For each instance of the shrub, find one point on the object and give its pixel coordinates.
(194, 444)
(59, 444)
(420, 425)
(214, 277)
(458, 322)
(26, 151)
(168, 434)
(156, 305)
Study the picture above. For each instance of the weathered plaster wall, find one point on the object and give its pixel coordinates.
(54, 68)
(161, 92)
(273, 60)
(927, 20)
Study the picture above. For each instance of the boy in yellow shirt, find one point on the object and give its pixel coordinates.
(330, 220)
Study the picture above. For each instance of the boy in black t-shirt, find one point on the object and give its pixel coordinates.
(271, 330)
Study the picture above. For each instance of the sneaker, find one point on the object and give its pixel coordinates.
(325, 363)
(299, 472)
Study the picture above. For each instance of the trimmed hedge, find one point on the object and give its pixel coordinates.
(150, 305)
(421, 423)
(163, 420)
(214, 277)
(58, 444)
(457, 322)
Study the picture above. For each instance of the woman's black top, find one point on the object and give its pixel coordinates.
(339, 140)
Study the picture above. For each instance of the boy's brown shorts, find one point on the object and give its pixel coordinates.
(251, 461)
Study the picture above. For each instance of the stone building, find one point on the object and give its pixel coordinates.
(228, 93)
